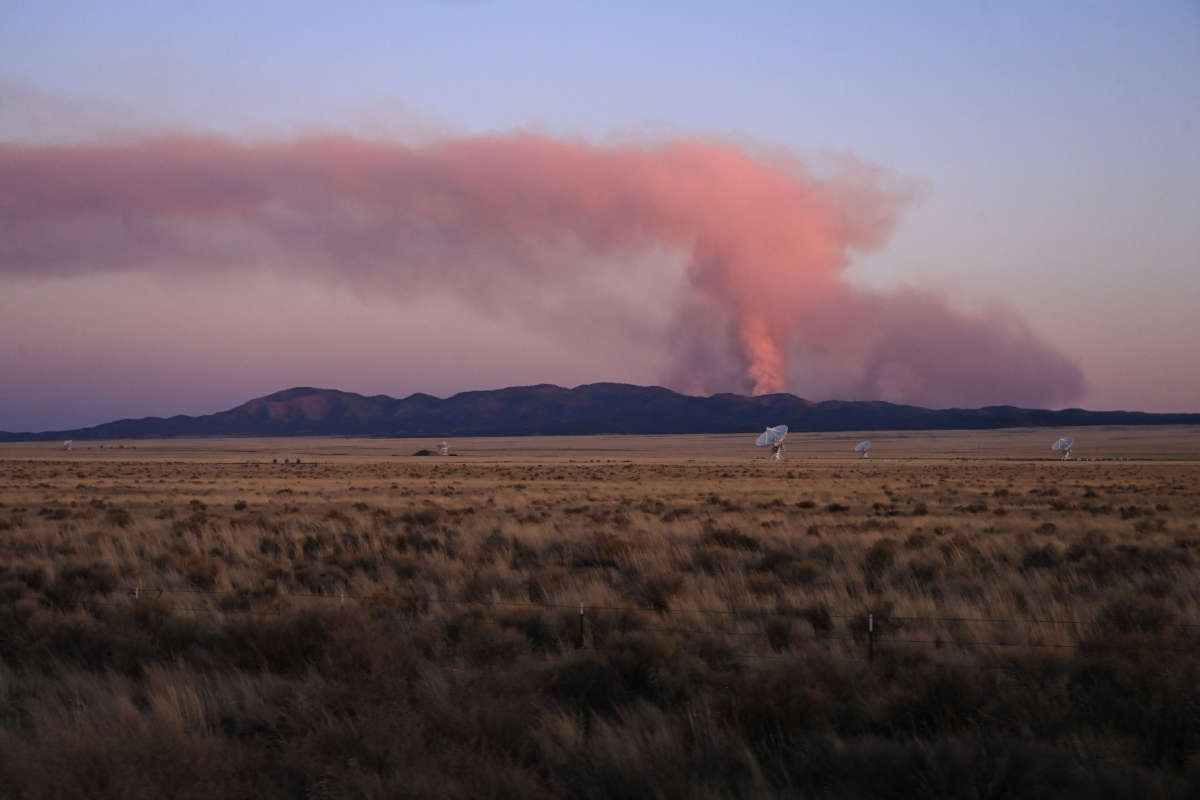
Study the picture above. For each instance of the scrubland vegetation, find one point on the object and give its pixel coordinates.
(413, 628)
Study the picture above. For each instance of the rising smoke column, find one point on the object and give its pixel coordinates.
(490, 217)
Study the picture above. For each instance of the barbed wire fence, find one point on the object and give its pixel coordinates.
(865, 631)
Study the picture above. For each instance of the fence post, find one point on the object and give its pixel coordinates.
(580, 643)
(870, 638)
(137, 591)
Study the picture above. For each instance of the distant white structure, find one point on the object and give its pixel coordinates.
(1063, 446)
(443, 449)
(773, 438)
(67, 444)
(863, 447)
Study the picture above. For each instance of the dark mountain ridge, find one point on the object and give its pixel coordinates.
(546, 409)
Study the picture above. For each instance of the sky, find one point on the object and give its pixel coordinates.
(946, 204)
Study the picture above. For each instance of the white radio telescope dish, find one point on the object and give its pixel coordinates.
(863, 447)
(773, 437)
(1063, 446)
(443, 449)
(67, 444)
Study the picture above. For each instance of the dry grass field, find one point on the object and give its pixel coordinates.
(337, 618)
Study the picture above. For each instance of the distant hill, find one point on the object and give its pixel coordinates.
(594, 408)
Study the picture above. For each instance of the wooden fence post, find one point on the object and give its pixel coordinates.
(580, 643)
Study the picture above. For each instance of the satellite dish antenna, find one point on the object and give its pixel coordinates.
(67, 444)
(1063, 446)
(443, 449)
(863, 447)
(773, 438)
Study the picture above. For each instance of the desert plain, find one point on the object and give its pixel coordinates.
(962, 614)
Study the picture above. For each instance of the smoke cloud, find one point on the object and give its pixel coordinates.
(745, 256)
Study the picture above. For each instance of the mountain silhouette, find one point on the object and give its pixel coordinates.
(546, 409)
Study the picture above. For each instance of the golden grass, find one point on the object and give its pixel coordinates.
(167, 603)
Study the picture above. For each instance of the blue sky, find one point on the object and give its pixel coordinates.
(1054, 143)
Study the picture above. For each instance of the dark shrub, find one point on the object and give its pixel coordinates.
(201, 572)
(880, 556)
(327, 580)
(656, 590)
(730, 538)
(587, 682)
(917, 540)
(78, 582)
(34, 578)
(798, 573)
(779, 633)
(119, 517)
(818, 616)
(1045, 557)
(923, 570)
(1135, 615)
(646, 662)
(545, 631)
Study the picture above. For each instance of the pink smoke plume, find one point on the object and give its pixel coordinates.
(492, 217)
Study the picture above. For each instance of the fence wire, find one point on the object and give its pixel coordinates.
(870, 630)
